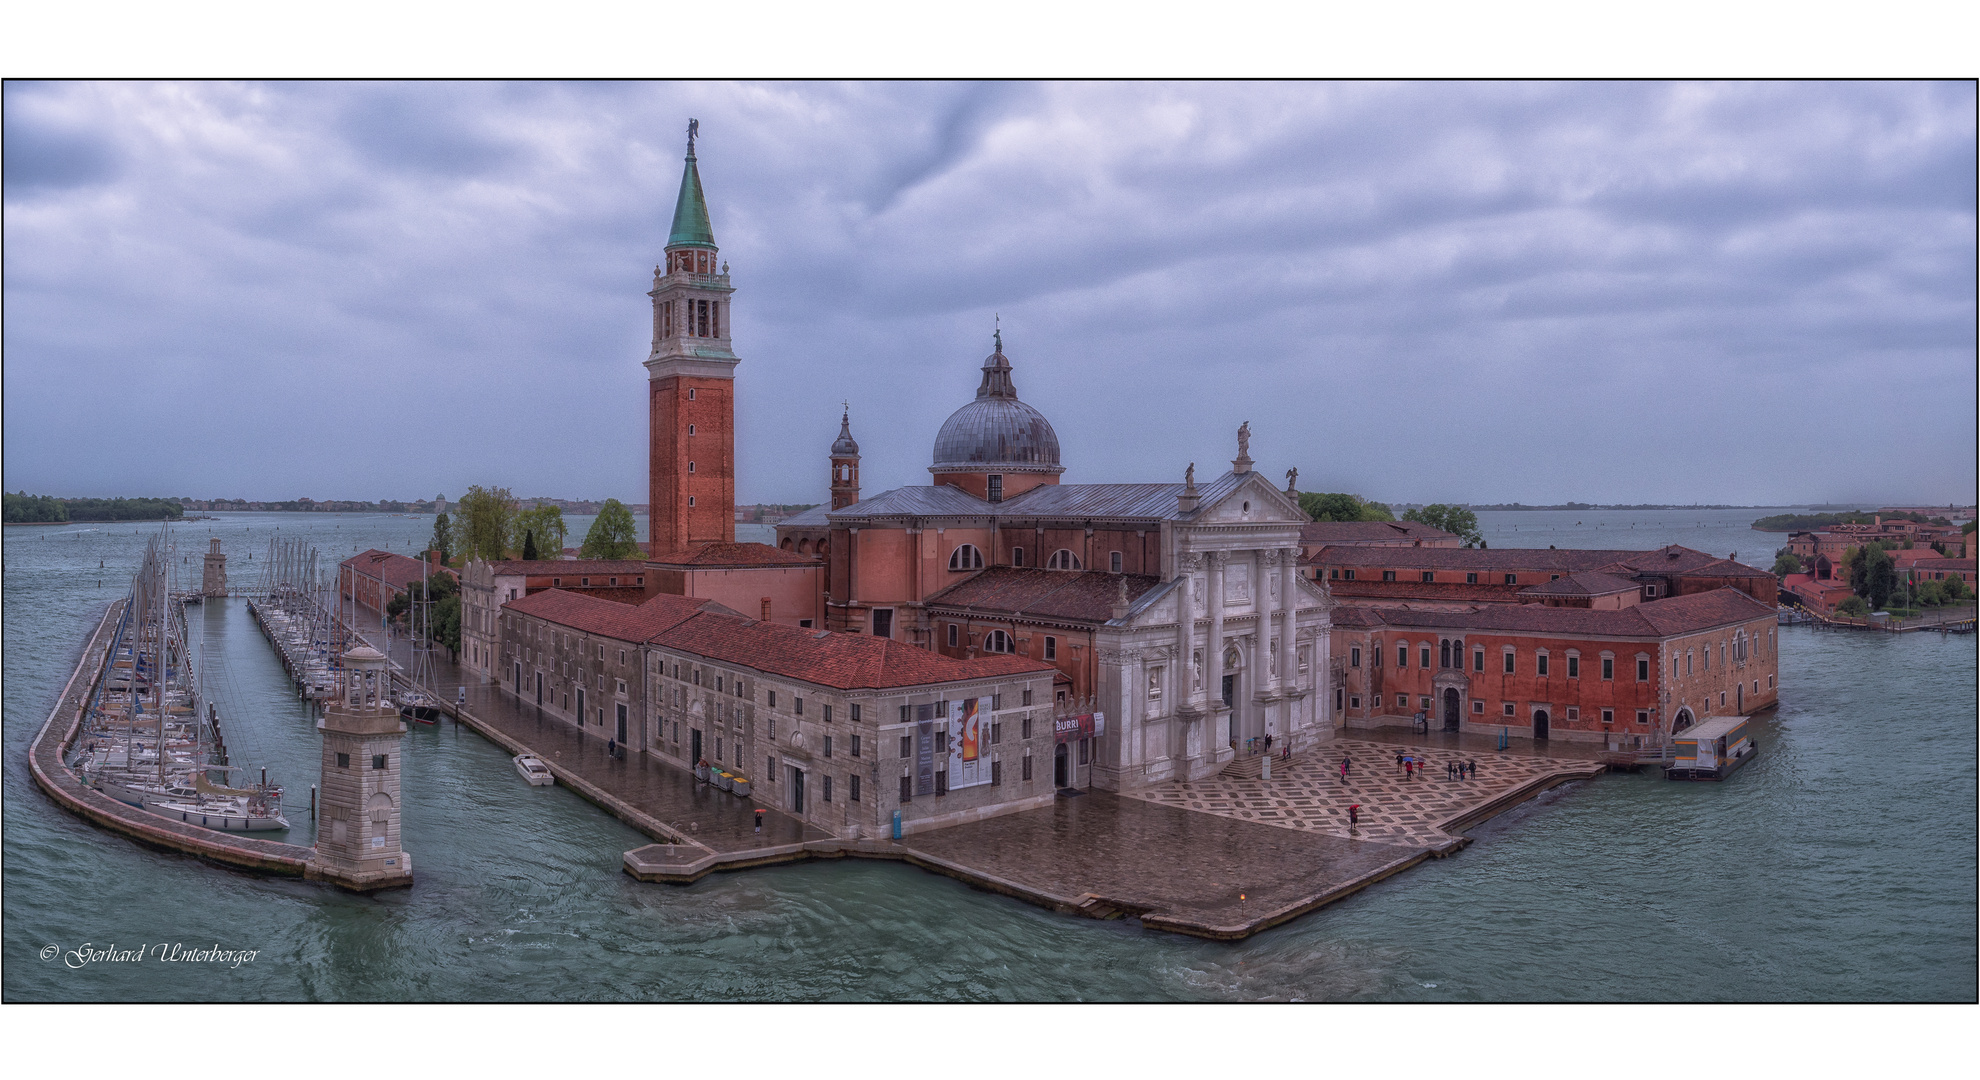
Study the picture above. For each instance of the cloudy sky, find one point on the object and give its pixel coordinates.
(1610, 292)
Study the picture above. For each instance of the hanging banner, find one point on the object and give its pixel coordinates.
(969, 744)
(1069, 728)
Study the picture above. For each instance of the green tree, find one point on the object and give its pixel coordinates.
(547, 523)
(1853, 607)
(1340, 506)
(482, 521)
(443, 539)
(1456, 520)
(1872, 575)
(529, 552)
(612, 535)
(1785, 563)
(1954, 588)
(445, 592)
(23, 507)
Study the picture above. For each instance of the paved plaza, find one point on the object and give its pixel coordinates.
(1220, 857)
(1309, 794)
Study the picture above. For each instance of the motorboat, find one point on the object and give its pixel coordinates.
(419, 707)
(531, 768)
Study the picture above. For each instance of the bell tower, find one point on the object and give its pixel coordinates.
(691, 470)
(845, 464)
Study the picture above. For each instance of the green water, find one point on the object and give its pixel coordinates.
(1840, 865)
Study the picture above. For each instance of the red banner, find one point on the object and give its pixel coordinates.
(1068, 728)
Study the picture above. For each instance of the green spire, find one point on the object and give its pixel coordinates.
(691, 210)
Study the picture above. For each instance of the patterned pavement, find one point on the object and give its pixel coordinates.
(1308, 793)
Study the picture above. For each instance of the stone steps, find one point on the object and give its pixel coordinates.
(1253, 767)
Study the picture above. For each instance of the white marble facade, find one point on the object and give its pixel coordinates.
(1268, 635)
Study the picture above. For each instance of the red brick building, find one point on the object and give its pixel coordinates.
(1320, 534)
(372, 578)
(1045, 615)
(1940, 569)
(1404, 575)
(1626, 677)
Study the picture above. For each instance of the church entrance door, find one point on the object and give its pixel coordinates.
(1451, 709)
(1540, 726)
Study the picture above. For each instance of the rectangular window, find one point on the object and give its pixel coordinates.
(1051, 647)
(1429, 575)
(1354, 657)
(1608, 667)
(996, 702)
(1388, 575)
(1512, 579)
(954, 635)
(996, 733)
(941, 742)
(1508, 707)
(1114, 562)
(1540, 665)
(378, 761)
(1573, 713)
(996, 489)
(799, 706)
(1027, 767)
(773, 730)
(1509, 662)
(855, 713)
(1424, 657)
(1478, 705)
(942, 782)
(1642, 670)
(996, 773)
(828, 714)
(1027, 697)
(1471, 579)
(907, 746)
(1478, 659)
(1347, 574)
(907, 789)
(773, 699)
(1354, 701)
(1574, 667)
(852, 787)
(827, 794)
(1025, 728)
(883, 622)
(1402, 654)
(1642, 716)
(343, 761)
(1608, 716)
(855, 746)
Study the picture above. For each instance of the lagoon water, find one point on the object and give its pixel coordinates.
(1839, 866)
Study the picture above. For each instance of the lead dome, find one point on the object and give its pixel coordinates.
(996, 432)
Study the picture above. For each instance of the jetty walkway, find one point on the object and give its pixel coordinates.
(47, 761)
(1223, 858)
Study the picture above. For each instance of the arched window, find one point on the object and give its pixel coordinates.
(997, 641)
(1063, 559)
(966, 557)
(786, 545)
(1444, 654)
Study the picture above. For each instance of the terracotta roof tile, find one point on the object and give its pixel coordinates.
(719, 555)
(1583, 583)
(566, 567)
(1656, 619)
(1086, 596)
(609, 618)
(395, 570)
(1347, 532)
(1423, 590)
(825, 658)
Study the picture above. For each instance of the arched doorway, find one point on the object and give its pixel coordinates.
(1451, 709)
(1682, 720)
(1540, 725)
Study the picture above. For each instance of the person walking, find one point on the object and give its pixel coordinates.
(1343, 770)
(1354, 815)
(1472, 768)
(1268, 744)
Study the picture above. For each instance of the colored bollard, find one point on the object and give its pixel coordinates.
(897, 824)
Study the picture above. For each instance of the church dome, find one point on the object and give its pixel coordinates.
(996, 432)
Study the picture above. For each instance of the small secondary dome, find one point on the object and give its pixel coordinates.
(844, 446)
(996, 432)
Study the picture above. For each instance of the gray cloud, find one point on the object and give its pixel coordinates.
(1491, 291)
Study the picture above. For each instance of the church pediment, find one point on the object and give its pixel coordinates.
(1250, 499)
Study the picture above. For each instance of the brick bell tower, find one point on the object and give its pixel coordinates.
(845, 465)
(691, 466)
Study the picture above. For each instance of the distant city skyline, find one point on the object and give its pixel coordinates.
(1745, 294)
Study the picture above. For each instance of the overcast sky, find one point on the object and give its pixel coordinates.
(1610, 292)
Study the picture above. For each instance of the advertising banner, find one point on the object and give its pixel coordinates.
(1070, 728)
(969, 743)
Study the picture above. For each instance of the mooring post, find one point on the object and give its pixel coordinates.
(312, 802)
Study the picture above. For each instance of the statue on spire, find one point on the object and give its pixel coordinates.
(1189, 479)
(1292, 482)
(694, 130)
(1244, 439)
